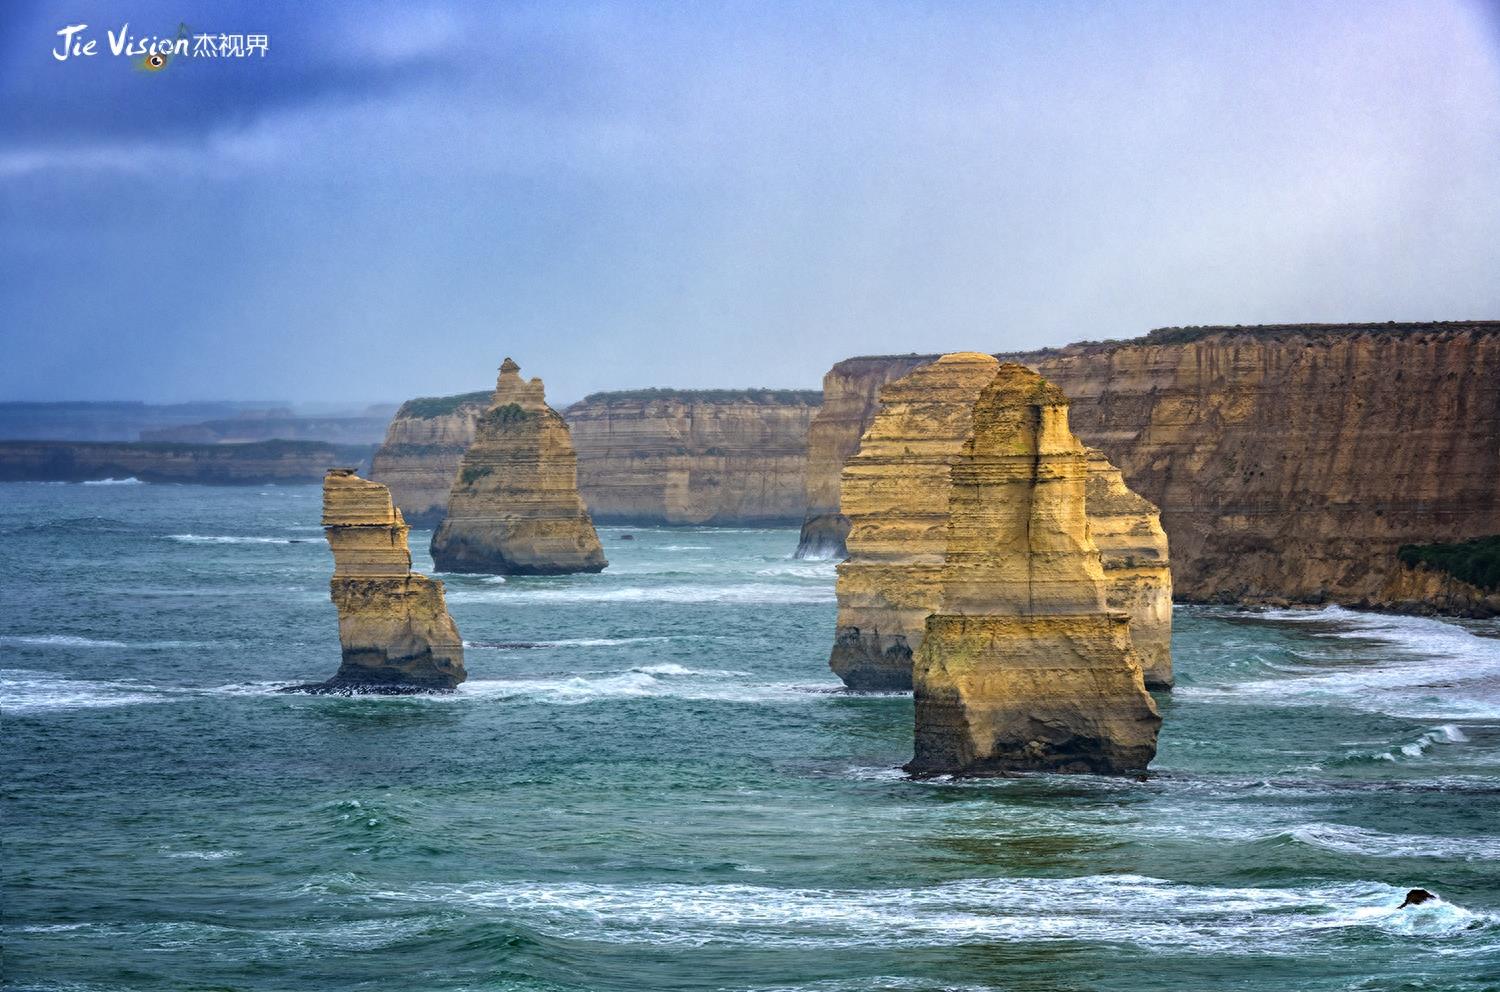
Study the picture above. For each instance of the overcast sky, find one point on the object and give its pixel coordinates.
(618, 195)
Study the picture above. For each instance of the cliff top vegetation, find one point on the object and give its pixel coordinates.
(439, 406)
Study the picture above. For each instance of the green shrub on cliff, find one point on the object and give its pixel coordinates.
(424, 407)
(1476, 562)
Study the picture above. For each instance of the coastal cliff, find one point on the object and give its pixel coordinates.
(1024, 666)
(1289, 463)
(693, 456)
(394, 628)
(514, 508)
(423, 447)
(254, 464)
(653, 456)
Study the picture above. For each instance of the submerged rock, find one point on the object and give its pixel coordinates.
(1025, 667)
(515, 508)
(394, 626)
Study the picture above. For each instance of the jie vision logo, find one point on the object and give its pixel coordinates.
(155, 52)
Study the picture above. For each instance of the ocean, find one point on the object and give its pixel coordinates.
(651, 781)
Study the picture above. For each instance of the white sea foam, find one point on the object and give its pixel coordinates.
(634, 684)
(584, 642)
(1105, 908)
(1374, 844)
(1426, 669)
(128, 481)
(23, 691)
(202, 855)
(755, 592)
(237, 539)
(61, 641)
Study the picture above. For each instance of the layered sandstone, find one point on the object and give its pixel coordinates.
(663, 456)
(424, 445)
(394, 627)
(1137, 570)
(1289, 462)
(514, 508)
(895, 492)
(894, 495)
(851, 395)
(1025, 667)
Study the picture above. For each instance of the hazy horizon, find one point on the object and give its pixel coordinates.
(397, 196)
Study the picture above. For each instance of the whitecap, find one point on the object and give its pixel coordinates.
(1375, 844)
(128, 481)
(60, 641)
(24, 692)
(236, 539)
(1103, 908)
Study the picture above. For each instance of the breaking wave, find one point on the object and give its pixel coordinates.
(1102, 908)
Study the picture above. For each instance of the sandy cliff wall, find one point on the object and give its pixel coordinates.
(644, 456)
(1289, 462)
(423, 447)
(693, 457)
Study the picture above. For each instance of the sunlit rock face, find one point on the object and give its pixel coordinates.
(896, 491)
(514, 508)
(1025, 667)
(1289, 463)
(394, 627)
(1137, 570)
(895, 497)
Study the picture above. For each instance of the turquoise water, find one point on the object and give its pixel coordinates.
(665, 790)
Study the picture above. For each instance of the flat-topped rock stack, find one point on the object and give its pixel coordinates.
(394, 627)
(894, 493)
(1025, 667)
(514, 508)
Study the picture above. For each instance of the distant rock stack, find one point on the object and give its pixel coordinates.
(1137, 572)
(394, 625)
(894, 493)
(514, 508)
(1025, 667)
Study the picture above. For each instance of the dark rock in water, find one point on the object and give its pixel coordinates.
(397, 636)
(627, 537)
(1416, 897)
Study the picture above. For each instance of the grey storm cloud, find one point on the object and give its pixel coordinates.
(621, 195)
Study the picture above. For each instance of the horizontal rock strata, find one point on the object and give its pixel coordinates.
(1024, 667)
(514, 508)
(394, 627)
(1289, 462)
(663, 456)
(895, 493)
(423, 447)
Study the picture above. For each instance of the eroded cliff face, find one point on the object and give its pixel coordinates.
(424, 445)
(514, 508)
(1137, 569)
(851, 396)
(394, 627)
(895, 490)
(693, 457)
(254, 464)
(1289, 463)
(1025, 667)
(895, 493)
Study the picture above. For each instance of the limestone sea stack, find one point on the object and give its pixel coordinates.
(1137, 570)
(514, 508)
(894, 494)
(1025, 667)
(394, 626)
